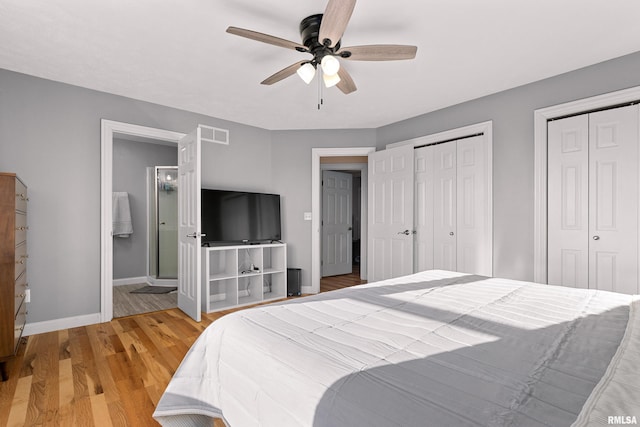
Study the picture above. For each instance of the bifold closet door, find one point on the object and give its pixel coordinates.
(423, 205)
(568, 202)
(473, 241)
(445, 206)
(613, 200)
(593, 200)
(451, 201)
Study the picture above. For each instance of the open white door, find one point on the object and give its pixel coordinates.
(189, 237)
(337, 223)
(390, 213)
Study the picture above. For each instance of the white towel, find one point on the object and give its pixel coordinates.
(122, 226)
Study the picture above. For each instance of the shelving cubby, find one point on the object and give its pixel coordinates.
(234, 276)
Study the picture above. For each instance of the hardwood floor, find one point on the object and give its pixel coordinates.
(109, 374)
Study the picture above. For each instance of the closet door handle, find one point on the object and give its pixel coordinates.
(405, 232)
(596, 237)
(451, 233)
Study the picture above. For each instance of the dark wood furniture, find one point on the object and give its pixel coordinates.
(13, 266)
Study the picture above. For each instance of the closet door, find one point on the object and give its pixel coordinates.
(568, 202)
(423, 204)
(593, 200)
(444, 201)
(472, 221)
(613, 200)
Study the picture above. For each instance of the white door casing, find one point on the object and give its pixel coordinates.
(189, 237)
(390, 213)
(337, 227)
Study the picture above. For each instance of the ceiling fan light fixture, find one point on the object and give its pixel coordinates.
(330, 80)
(330, 65)
(306, 72)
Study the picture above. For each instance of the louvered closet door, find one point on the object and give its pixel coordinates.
(593, 200)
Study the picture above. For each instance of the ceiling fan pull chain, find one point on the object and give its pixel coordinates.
(320, 100)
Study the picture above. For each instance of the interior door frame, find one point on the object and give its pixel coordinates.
(541, 117)
(316, 212)
(339, 168)
(109, 128)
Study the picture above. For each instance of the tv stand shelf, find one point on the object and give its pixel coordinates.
(233, 276)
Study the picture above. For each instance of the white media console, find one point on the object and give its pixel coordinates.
(233, 276)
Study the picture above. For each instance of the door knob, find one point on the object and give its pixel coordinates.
(451, 233)
(596, 237)
(405, 232)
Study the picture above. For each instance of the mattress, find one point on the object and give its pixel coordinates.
(435, 348)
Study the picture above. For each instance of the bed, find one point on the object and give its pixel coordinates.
(436, 348)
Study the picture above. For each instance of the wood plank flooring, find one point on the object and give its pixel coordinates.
(127, 304)
(108, 374)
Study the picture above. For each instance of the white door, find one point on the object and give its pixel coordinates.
(473, 239)
(189, 237)
(568, 202)
(613, 200)
(593, 200)
(445, 199)
(390, 246)
(337, 227)
(423, 207)
(453, 207)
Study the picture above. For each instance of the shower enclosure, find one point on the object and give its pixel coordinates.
(162, 208)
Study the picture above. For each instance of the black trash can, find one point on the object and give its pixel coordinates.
(294, 281)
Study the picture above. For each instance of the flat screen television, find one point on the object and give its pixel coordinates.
(240, 217)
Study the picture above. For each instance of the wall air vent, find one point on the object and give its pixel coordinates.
(215, 135)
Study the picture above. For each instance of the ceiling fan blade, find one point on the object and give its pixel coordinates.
(380, 52)
(283, 74)
(346, 84)
(335, 19)
(266, 38)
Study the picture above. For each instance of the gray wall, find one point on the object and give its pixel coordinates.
(291, 157)
(50, 136)
(513, 158)
(130, 162)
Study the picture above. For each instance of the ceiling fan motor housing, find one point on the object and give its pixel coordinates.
(310, 30)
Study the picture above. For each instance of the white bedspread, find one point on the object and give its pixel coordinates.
(432, 349)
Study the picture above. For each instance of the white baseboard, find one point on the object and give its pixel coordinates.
(162, 282)
(58, 324)
(130, 281)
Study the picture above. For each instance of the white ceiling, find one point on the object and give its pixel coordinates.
(177, 53)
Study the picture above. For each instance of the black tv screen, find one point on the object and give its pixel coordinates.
(237, 216)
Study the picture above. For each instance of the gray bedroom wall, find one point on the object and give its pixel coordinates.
(513, 160)
(50, 136)
(130, 162)
(291, 159)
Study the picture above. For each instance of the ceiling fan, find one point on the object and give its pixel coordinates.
(321, 37)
